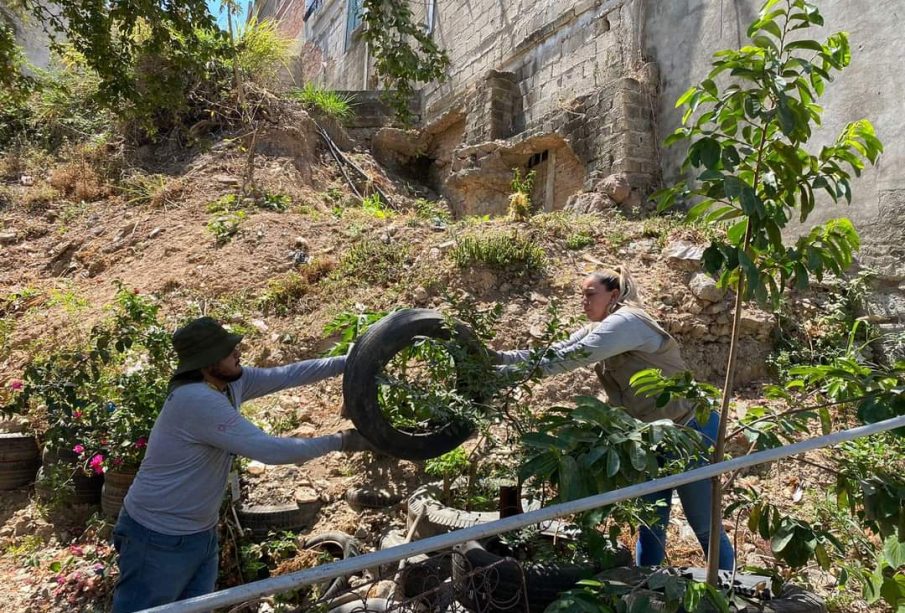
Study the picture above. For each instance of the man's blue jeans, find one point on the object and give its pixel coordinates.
(156, 569)
(696, 498)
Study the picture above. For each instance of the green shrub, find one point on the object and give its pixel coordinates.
(261, 51)
(225, 225)
(431, 210)
(284, 292)
(504, 252)
(332, 104)
(579, 240)
(372, 261)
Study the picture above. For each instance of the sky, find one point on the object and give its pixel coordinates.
(215, 7)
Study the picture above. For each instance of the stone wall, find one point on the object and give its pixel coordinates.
(520, 72)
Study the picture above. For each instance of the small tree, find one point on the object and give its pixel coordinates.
(747, 140)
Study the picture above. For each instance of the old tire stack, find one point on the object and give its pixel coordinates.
(20, 459)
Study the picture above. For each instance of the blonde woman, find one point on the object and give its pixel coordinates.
(621, 340)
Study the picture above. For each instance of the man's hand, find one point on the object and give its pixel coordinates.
(352, 441)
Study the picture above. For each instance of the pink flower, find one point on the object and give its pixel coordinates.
(97, 464)
(76, 414)
(141, 443)
(16, 384)
(76, 550)
(79, 449)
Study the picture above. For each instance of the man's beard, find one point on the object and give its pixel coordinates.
(224, 376)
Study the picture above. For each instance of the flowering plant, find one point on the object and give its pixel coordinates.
(100, 400)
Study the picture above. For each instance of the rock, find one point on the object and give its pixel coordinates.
(538, 298)
(684, 255)
(27, 180)
(881, 307)
(705, 288)
(8, 238)
(420, 294)
(616, 187)
(589, 202)
(301, 243)
(155, 232)
(226, 179)
(256, 468)
(306, 495)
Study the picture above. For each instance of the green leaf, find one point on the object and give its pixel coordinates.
(811, 45)
(55, 567)
(710, 152)
(782, 538)
(612, 463)
(684, 98)
(894, 552)
(893, 591)
(637, 456)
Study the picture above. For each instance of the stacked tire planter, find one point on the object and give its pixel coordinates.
(501, 583)
(438, 518)
(20, 460)
(261, 519)
(116, 485)
(85, 489)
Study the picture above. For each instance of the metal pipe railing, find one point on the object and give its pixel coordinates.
(292, 581)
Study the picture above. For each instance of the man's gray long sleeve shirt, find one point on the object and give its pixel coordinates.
(180, 485)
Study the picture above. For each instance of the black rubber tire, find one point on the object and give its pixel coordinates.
(371, 498)
(371, 605)
(340, 545)
(262, 519)
(439, 519)
(509, 583)
(369, 356)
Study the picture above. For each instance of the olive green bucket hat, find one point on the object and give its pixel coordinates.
(201, 343)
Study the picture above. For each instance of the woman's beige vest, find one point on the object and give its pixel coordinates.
(615, 372)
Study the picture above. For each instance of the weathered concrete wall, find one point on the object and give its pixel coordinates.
(681, 36)
(518, 72)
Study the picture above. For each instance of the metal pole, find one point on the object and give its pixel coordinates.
(291, 581)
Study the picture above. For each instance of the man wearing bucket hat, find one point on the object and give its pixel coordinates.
(166, 534)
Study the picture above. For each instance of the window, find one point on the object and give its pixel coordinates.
(353, 19)
(310, 7)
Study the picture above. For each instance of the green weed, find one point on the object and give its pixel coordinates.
(284, 293)
(372, 261)
(373, 205)
(507, 252)
(579, 240)
(330, 103)
(432, 210)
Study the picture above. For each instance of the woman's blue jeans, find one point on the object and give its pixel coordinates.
(696, 498)
(156, 569)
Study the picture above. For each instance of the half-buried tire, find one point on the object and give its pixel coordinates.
(366, 362)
